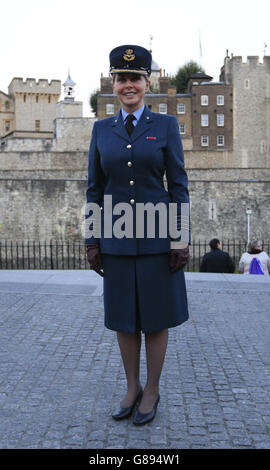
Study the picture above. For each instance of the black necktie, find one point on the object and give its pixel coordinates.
(129, 126)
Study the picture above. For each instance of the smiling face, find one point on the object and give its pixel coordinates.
(130, 89)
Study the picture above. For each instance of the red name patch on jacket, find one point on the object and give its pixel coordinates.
(151, 138)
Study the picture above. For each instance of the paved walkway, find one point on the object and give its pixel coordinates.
(61, 374)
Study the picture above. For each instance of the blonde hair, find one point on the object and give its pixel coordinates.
(113, 76)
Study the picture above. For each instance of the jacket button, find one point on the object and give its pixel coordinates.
(132, 201)
(128, 146)
(129, 164)
(131, 183)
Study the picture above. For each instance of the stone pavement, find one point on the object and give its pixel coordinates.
(61, 374)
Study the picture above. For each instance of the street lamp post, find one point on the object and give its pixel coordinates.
(248, 212)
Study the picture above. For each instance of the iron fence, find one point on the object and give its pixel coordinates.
(63, 254)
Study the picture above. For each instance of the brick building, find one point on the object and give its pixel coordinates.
(212, 113)
(204, 113)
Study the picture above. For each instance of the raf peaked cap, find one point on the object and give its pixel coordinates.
(133, 59)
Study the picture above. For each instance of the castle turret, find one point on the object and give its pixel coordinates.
(69, 92)
(251, 103)
(35, 106)
(69, 108)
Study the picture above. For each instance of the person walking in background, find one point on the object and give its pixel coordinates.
(255, 260)
(217, 261)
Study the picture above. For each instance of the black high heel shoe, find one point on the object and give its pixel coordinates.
(123, 413)
(143, 418)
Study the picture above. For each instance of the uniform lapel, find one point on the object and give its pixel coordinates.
(145, 123)
(118, 127)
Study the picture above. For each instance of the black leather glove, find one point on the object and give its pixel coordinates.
(179, 258)
(94, 258)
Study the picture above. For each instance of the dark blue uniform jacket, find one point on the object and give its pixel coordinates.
(131, 169)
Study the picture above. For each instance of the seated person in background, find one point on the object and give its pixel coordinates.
(217, 261)
(255, 251)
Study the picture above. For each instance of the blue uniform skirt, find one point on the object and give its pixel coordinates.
(141, 294)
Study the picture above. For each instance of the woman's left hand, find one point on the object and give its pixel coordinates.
(179, 259)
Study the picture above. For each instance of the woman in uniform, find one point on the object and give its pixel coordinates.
(144, 284)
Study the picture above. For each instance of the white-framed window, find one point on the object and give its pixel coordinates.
(204, 140)
(220, 100)
(163, 108)
(204, 100)
(182, 128)
(204, 120)
(181, 108)
(246, 83)
(220, 120)
(220, 140)
(109, 108)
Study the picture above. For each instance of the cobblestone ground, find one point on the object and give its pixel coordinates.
(61, 376)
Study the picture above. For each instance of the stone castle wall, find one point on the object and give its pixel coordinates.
(49, 203)
(70, 134)
(43, 181)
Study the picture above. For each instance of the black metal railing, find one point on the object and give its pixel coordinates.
(63, 254)
(52, 254)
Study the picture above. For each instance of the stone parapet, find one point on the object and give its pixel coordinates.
(30, 85)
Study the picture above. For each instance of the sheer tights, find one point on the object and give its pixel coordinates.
(130, 348)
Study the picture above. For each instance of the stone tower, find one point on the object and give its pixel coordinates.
(34, 106)
(251, 105)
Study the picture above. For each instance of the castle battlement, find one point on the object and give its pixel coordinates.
(251, 61)
(31, 85)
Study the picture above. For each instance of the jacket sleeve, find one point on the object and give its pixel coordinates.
(95, 190)
(268, 264)
(241, 265)
(177, 180)
(203, 265)
(231, 265)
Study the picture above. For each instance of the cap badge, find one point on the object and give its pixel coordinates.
(129, 55)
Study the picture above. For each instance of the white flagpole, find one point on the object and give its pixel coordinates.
(200, 47)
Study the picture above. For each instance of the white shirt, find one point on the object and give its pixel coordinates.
(246, 259)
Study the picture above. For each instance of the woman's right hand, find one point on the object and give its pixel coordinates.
(94, 258)
(179, 258)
